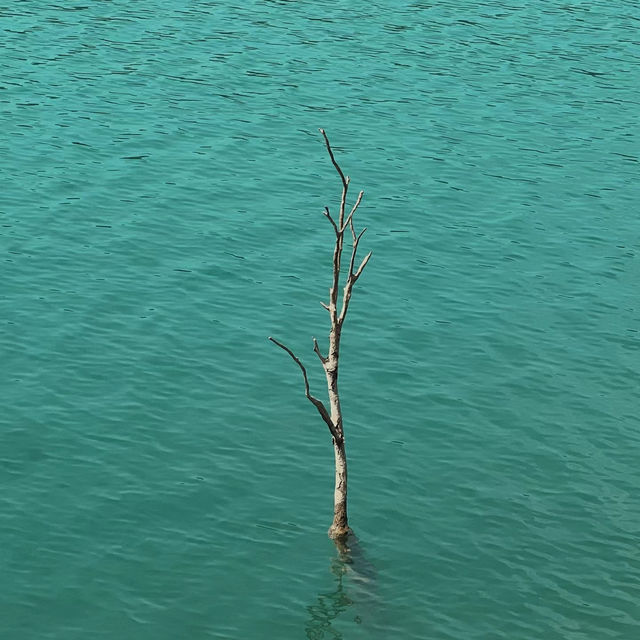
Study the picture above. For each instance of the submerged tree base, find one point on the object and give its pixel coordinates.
(340, 526)
(339, 533)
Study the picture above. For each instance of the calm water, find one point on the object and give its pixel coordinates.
(163, 476)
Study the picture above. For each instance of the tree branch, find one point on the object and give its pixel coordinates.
(348, 221)
(363, 264)
(354, 250)
(335, 284)
(345, 181)
(352, 277)
(317, 403)
(331, 220)
(339, 229)
(316, 348)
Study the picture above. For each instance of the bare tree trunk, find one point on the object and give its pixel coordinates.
(340, 525)
(339, 528)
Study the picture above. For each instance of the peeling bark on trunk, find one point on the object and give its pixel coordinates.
(333, 418)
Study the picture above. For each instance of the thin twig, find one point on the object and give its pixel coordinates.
(352, 277)
(343, 202)
(335, 164)
(354, 250)
(363, 264)
(348, 221)
(331, 220)
(316, 348)
(335, 285)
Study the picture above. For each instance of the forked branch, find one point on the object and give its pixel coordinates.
(340, 228)
(317, 403)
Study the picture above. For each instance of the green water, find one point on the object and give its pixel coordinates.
(162, 474)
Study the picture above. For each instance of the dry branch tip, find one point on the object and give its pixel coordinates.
(345, 181)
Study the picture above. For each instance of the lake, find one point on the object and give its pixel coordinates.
(163, 182)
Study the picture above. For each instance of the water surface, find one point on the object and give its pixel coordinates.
(161, 214)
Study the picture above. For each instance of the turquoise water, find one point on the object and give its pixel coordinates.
(163, 476)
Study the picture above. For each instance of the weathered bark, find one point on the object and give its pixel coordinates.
(340, 526)
(333, 418)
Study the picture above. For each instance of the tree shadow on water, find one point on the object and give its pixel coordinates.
(354, 586)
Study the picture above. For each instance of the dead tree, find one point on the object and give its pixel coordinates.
(337, 308)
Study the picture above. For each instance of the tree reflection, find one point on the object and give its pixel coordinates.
(346, 567)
